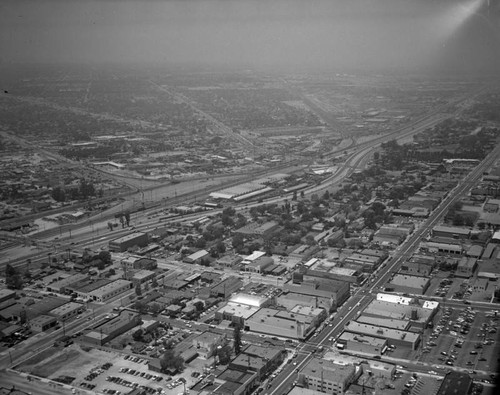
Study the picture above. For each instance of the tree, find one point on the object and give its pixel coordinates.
(138, 335)
(141, 307)
(105, 257)
(237, 339)
(237, 241)
(13, 278)
(172, 361)
(155, 308)
(224, 354)
(227, 220)
(310, 240)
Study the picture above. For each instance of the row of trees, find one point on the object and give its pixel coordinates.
(85, 190)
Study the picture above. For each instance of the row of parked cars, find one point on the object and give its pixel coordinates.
(130, 384)
(145, 375)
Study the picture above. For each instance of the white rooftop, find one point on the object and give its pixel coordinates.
(393, 298)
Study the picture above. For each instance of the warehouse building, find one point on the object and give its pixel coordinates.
(110, 290)
(62, 285)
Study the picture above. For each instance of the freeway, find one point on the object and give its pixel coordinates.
(357, 156)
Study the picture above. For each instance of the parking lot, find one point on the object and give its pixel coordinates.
(462, 337)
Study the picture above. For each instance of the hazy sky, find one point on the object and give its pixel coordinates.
(371, 34)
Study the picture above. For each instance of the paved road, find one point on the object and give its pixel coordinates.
(363, 296)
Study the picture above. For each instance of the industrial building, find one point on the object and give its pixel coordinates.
(62, 285)
(122, 244)
(42, 323)
(109, 330)
(67, 311)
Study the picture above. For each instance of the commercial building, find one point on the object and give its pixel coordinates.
(380, 369)
(419, 316)
(361, 343)
(236, 313)
(259, 359)
(402, 325)
(122, 244)
(226, 288)
(321, 285)
(285, 324)
(197, 257)
(258, 265)
(394, 337)
(451, 232)
(327, 377)
(442, 248)
(415, 285)
(6, 294)
(392, 234)
(140, 276)
(366, 263)
(350, 275)
(110, 290)
(135, 263)
(291, 299)
(206, 343)
(466, 267)
(233, 382)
